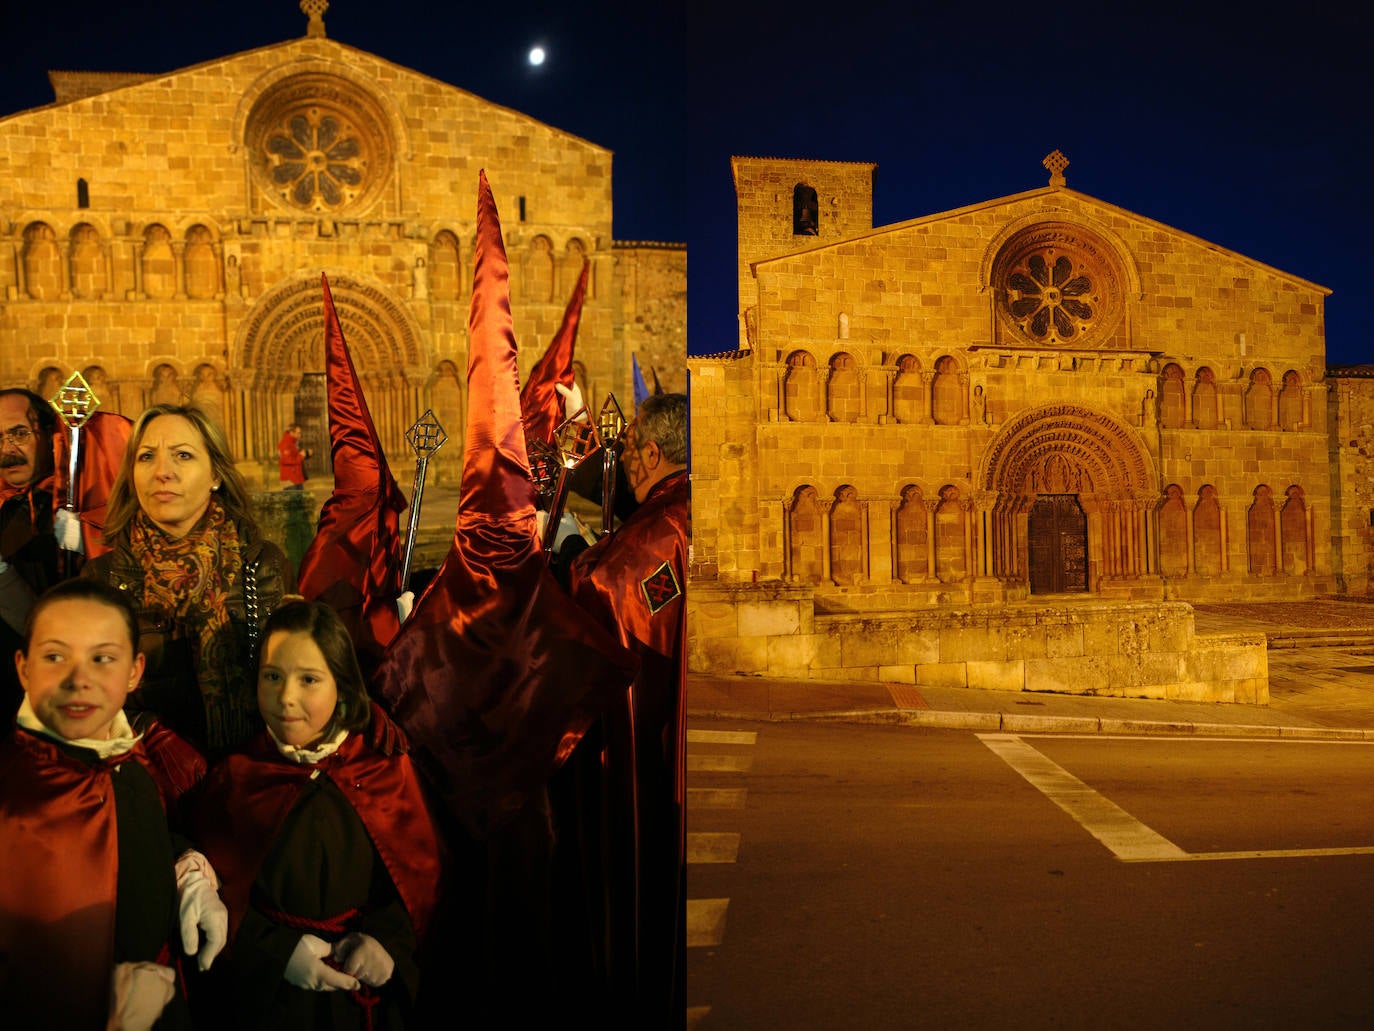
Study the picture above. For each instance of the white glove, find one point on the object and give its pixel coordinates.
(404, 604)
(138, 994)
(200, 909)
(307, 969)
(66, 527)
(364, 957)
(573, 405)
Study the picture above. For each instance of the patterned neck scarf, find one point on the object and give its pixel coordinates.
(189, 579)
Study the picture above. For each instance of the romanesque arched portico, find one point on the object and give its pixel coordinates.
(1068, 458)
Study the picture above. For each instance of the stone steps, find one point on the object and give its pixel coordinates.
(1346, 639)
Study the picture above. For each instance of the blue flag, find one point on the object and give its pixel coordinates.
(641, 391)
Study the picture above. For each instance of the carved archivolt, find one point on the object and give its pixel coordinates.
(1066, 447)
(285, 333)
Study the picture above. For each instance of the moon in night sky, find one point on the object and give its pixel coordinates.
(537, 56)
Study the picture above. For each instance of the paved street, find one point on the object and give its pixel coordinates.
(876, 877)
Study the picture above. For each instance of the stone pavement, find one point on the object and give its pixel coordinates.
(1321, 685)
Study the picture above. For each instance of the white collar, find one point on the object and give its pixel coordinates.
(309, 756)
(121, 739)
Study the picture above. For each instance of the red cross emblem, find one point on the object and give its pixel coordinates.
(660, 587)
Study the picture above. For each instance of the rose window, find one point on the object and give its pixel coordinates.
(1059, 284)
(1044, 295)
(320, 144)
(317, 160)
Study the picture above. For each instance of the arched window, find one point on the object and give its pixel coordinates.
(842, 393)
(1259, 532)
(806, 211)
(846, 537)
(539, 270)
(574, 257)
(806, 536)
(947, 394)
(1173, 533)
(1205, 400)
(445, 268)
(1259, 401)
(907, 390)
(1172, 406)
(42, 262)
(1290, 401)
(202, 267)
(88, 262)
(159, 263)
(1293, 531)
(912, 537)
(951, 557)
(1207, 533)
(801, 388)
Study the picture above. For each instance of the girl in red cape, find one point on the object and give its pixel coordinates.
(323, 842)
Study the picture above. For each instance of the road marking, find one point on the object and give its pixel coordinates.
(706, 922)
(722, 737)
(720, 763)
(712, 847)
(1126, 837)
(716, 798)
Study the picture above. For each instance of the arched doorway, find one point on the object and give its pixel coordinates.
(280, 375)
(1064, 504)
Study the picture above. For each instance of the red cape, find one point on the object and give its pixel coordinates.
(248, 795)
(57, 893)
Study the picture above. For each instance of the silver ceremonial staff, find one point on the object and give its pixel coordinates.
(611, 424)
(425, 437)
(574, 442)
(75, 403)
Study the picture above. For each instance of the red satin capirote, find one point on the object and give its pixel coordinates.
(249, 794)
(541, 405)
(496, 675)
(354, 562)
(59, 840)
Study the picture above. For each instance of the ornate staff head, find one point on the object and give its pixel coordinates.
(75, 402)
(425, 436)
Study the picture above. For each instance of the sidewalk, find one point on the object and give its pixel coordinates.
(1317, 690)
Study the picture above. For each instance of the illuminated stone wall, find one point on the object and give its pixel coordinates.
(910, 392)
(166, 235)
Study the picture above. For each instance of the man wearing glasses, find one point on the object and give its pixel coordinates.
(28, 549)
(633, 580)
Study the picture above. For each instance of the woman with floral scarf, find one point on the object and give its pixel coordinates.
(185, 548)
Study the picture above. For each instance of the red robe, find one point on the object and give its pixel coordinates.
(58, 837)
(290, 459)
(633, 582)
(248, 796)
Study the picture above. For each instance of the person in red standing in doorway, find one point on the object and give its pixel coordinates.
(291, 458)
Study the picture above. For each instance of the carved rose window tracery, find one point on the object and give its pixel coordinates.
(1058, 284)
(320, 144)
(1042, 295)
(319, 159)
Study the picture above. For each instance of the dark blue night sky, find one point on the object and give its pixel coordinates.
(1245, 125)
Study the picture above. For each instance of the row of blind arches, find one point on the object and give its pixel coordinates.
(80, 266)
(827, 536)
(939, 395)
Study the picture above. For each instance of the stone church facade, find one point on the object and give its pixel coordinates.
(165, 236)
(988, 420)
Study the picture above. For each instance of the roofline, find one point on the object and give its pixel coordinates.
(1042, 192)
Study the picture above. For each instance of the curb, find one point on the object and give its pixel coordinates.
(1026, 724)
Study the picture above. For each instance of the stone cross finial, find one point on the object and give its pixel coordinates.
(315, 10)
(1056, 162)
